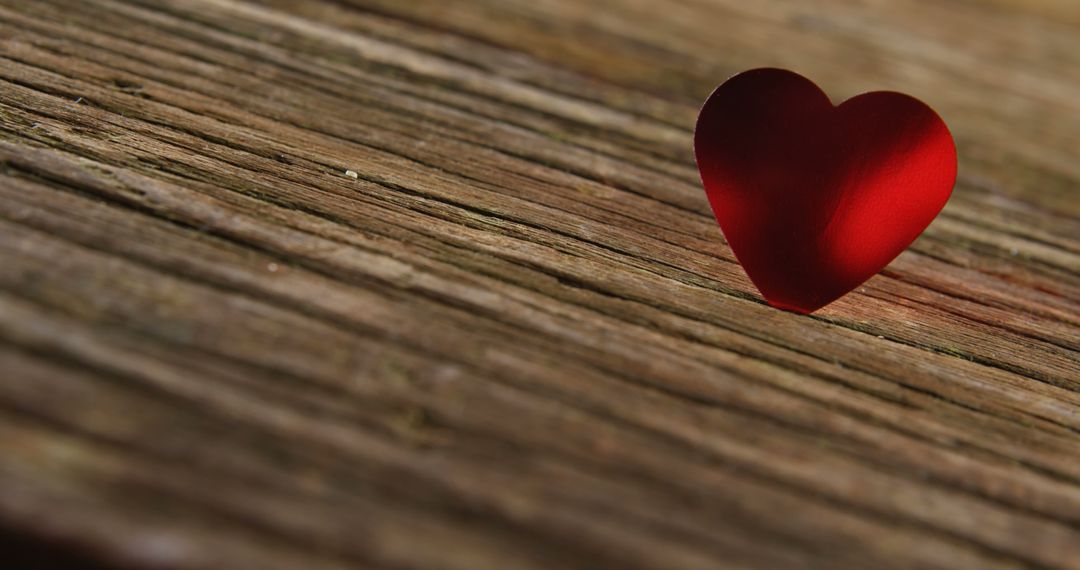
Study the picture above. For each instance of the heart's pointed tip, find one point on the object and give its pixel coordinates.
(797, 309)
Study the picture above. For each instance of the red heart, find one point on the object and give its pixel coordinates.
(815, 199)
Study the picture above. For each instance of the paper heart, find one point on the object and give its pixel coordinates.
(813, 198)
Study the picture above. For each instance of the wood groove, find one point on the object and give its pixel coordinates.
(601, 292)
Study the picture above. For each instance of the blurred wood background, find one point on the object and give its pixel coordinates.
(429, 284)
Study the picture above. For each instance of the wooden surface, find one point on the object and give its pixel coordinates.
(516, 338)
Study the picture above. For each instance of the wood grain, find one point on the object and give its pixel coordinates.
(516, 338)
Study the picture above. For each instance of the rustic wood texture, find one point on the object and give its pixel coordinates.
(429, 284)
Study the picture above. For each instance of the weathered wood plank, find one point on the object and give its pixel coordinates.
(516, 338)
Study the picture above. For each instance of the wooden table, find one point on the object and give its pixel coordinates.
(428, 284)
